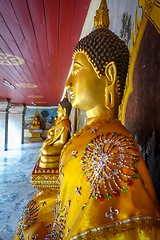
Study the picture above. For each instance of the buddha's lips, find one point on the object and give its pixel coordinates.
(71, 94)
(51, 155)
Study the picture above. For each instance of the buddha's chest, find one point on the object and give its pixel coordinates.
(104, 160)
(58, 129)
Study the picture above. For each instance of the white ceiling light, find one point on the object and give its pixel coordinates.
(9, 84)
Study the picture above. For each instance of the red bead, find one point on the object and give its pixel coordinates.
(138, 159)
(130, 183)
(101, 198)
(117, 194)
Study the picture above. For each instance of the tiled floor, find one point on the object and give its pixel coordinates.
(15, 185)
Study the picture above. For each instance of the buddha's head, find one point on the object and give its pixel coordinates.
(98, 77)
(61, 111)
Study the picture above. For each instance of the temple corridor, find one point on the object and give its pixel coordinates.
(15, 185)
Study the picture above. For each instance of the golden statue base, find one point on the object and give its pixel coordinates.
(49, 162)
(45, 179)
(36, 134)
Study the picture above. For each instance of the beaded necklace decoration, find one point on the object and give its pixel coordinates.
(93, 125)
(105, 161)
(29, 216)
(57, 232)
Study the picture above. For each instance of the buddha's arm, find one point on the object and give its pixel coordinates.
(57, 146)
(63, 137)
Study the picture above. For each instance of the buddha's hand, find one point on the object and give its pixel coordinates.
(52, 150)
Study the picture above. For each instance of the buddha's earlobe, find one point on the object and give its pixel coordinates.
(65, 113)
(110, 74)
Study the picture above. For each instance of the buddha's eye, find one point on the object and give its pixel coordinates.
(76, 68)
(75, 71)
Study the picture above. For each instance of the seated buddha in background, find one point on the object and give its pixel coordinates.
(36, 128)
(57, 136)
(105, 188)
(36, 124)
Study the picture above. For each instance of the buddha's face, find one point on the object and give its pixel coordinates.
(86, 89)
(60, 111)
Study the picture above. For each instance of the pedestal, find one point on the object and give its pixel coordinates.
(45, 179)
(36, 134)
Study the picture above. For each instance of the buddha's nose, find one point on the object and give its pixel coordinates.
(68, 84)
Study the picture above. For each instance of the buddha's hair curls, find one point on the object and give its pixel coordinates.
(103, 46)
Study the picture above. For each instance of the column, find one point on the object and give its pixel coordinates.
(4, 104)
(16, 125)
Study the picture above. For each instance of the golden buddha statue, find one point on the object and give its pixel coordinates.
(57, 136)
(105, 188)
(36, 128)
(37, 121)
(46, 171)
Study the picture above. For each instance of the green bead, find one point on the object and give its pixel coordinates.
(108, 196)
(125, 190)
(102, 134)
(95, 196)
(135, 176)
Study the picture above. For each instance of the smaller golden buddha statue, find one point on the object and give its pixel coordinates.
(37, 127)
(46, 171)
(36, 123)
(57, 136)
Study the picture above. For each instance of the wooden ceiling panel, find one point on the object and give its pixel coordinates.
(37, 13)
(23, 13)
(43, 33)
(51, 15)
(66, 16)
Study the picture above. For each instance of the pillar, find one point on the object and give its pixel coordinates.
(16, 126)
(4, 105)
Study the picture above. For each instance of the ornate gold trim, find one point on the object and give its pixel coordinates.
(139, 223)
(133, 50)
(151, 12)
(45, 181)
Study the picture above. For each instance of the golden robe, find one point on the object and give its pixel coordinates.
(55, 131)
(105, 188)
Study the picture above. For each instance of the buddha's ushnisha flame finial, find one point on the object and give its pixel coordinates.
(66, 95)
(101, 20)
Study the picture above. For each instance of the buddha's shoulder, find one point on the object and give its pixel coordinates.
(96, 130)
(104, 126)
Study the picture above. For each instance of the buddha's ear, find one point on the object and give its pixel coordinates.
(65, 112)
(111, 75)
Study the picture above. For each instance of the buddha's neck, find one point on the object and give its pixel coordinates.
(110, 114)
